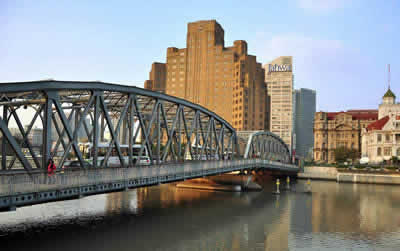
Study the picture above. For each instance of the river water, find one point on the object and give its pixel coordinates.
(333, 217)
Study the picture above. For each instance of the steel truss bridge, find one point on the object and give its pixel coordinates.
(48, 120)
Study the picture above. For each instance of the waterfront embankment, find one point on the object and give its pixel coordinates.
(332, 173)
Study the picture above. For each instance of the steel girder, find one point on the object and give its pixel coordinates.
(170, 128)
(267, 145)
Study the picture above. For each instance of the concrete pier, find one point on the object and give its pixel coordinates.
(224, 182)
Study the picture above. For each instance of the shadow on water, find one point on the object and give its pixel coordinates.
(334, 216)
(144, 219)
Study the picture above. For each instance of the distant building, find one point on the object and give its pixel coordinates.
(339, 129)
(157, 78)
(381, 139)
(36, 136)
(303, 120)
(225, 80)
(81, 132)
(279, 81)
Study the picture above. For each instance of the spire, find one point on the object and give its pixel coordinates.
(389, 76)
(389, 94)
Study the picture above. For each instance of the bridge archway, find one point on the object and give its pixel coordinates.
(267, 145)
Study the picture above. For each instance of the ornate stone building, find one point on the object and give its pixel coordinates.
(381, 139)
(336, 129)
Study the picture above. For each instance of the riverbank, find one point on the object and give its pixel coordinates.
(352, 176)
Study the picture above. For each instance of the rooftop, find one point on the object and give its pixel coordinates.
(356, 114)
(378, 125)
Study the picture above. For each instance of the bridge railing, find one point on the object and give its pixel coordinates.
(22, 183)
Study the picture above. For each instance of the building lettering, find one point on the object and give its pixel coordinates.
(279, 68)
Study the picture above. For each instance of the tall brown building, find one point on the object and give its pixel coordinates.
(225, 80)
(157, 78)
(339, 129)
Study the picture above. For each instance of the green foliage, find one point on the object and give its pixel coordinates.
(342, 154)
(394, 160)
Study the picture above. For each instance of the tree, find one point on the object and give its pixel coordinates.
(342, 154)
(353, 154)
(394, 160)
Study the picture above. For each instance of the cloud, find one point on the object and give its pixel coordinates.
(335, 69)
(322, 5)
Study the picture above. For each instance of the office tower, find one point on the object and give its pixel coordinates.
(303, 120)
(279, 82)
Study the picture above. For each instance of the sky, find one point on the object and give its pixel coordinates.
(340, 48)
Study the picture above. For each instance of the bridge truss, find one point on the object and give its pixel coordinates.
(49, 120)
(67, 113)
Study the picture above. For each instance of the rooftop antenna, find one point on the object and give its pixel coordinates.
(389, 75)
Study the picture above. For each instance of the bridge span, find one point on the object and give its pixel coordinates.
(136, 137)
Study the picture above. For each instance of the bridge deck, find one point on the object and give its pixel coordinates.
(19, 189)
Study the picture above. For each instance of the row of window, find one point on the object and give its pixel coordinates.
(387, 151)
(388, 137)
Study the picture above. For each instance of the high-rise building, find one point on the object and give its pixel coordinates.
(225, 80)
(157, 78)
(279, 81)
(303, 121)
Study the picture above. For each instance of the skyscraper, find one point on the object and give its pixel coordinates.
(279, 81)
(303, 121)
(157, 79)
(225, 80)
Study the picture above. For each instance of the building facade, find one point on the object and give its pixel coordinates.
(339, 129)
(304, 101)
(226, 80)
(157, 78)
(279, 82)
(381, 139)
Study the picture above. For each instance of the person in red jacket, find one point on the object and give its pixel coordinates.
(51, 168)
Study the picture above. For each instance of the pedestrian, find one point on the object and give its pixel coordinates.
(51, 167)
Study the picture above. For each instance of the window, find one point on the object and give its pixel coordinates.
(379, 151)
(388, 137)
(387, 151)
(379, 137)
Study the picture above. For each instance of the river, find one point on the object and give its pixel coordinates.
(333, 217)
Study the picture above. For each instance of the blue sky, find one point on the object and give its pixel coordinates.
(341, 48)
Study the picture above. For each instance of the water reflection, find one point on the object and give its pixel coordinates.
(335, 216)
